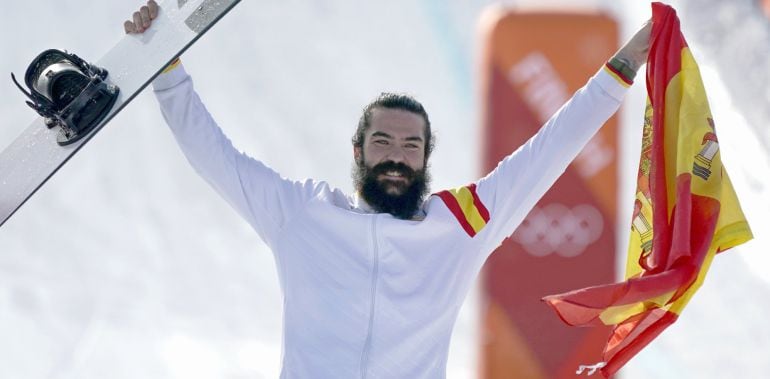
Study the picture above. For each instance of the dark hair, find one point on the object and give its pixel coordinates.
(400, 101)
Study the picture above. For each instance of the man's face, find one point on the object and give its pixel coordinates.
(390, 172)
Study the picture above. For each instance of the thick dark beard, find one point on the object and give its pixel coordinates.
(375, 192)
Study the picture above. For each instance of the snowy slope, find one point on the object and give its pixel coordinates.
(127, 265)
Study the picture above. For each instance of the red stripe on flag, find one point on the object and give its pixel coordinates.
(663, 63)
(631, 336)
(584, 306)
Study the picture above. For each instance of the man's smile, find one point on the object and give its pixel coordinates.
(393, 175)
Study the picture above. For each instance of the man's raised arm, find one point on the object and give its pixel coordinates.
(258, 194)
(522, 178)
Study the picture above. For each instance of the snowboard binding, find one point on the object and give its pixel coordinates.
(68, 92)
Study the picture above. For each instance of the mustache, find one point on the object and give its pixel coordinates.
(401, 168)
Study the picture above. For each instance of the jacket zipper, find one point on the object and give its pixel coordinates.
(375, 267)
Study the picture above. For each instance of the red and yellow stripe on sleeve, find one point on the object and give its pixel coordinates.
(622, 79)
(465, 205)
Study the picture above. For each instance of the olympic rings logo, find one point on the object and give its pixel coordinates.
(555, 228)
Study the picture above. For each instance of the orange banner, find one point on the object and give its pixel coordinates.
(531, 65)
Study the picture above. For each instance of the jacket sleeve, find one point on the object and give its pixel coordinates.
(513, 188)
(259, 194)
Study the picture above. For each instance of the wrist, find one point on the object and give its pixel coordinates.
(620, 71)
(624, 67)
(174, 64)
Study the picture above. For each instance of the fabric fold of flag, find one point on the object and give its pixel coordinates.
(685, 211)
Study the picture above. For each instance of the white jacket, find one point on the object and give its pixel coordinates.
(367, 295)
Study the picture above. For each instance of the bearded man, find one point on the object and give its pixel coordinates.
(373, 282)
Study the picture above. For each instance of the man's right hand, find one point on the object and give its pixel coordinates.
(142, 19)
(634, 52)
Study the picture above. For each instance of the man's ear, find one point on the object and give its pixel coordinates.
(357, 153)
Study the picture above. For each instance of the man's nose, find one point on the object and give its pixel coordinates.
(396, 154)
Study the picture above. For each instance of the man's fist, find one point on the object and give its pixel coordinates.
(634, 52)
(142, 19)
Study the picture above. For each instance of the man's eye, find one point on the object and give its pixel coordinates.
(412, 146)
(381, 142)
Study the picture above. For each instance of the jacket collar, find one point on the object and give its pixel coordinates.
(359, 205)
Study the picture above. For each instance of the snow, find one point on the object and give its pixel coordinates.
(127, 265)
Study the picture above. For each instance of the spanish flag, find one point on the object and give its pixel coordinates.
(685, 212)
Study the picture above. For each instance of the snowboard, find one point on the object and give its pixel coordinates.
(33, 157)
